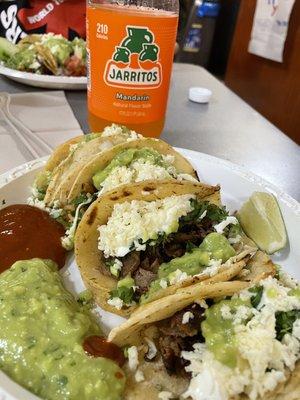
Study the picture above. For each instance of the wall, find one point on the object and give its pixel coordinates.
(272, 88)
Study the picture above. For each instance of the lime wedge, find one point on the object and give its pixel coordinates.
(261, 219)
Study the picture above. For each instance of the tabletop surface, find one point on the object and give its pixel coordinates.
(227, 127)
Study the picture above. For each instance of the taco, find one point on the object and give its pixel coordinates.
(140, 243)
(225, 341)
(81, 153)
(126, 163)
(72, 151)
(135, 159)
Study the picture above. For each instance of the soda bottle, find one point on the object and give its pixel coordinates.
(130, 56)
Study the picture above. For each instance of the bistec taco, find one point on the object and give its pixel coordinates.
(144, 241)
(223, 341)
(125, 157)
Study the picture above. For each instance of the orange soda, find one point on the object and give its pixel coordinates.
(130, 57)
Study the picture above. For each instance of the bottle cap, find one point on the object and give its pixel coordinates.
(199, 94)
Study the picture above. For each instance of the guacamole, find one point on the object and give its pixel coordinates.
(25, 59)
(60, 47)
(41, 335)
(219, 332)
(125, 158)
(218, 246)
(214, 247)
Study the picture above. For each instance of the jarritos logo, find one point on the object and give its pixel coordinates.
(135, 61)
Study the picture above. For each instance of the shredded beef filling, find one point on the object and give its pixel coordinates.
(143, 265)
(176, 337)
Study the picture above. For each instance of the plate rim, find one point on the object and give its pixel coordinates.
(245, 173)
(248, 175)
(16, 172)
(14, 73)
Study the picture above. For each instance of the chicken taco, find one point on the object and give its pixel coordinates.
(225, 341)
(140, 243)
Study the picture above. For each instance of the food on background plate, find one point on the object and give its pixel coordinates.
(49, 343)
(28, 232)
(99, 163)
(144, 241)
(45, 54)
(222, 341)
(261, 219)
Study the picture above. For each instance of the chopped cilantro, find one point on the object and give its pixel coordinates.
(79, 199)
(125, 290)
(285, 321)
(234, 230)
(190, 247)
(91, 136)
(213, 212)
(85, 299)
(113, 267)
(257, 295)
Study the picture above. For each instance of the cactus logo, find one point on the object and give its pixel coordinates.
(135, 61)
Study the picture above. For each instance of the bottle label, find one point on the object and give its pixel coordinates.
(130, 62)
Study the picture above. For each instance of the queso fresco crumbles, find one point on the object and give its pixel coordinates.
(42, 333)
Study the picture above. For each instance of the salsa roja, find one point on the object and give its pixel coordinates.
(28, 232)
(98, 346)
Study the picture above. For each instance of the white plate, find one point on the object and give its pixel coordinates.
(237, 185)
(45, 81)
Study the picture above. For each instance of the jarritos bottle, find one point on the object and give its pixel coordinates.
(130, 57)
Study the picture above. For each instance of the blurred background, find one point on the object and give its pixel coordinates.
(216, 35)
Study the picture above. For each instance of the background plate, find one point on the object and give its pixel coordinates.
(237, 185)
(45, 81)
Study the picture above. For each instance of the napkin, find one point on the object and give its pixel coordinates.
(32, 125)
(270, 26)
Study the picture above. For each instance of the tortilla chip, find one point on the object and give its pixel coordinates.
(91, 261)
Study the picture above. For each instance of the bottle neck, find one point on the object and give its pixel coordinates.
(165, 5)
